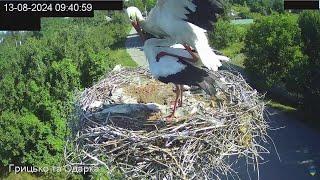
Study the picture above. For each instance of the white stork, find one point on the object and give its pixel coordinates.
(183, 21)
(174, 68)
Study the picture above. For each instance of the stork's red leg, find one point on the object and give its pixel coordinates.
(181, 95)
(175, 103)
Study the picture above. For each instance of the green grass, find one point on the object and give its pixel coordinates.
(123, 58)
(238, 60)
(234, 52)
(121, 55)
(280, 106)
(297, 113)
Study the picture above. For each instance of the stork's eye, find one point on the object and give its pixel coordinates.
(131, 18)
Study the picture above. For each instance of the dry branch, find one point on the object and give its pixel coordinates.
(116, 131)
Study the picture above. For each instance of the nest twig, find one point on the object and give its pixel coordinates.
(194, 147)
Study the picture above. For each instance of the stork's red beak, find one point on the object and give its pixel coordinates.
(136, 26)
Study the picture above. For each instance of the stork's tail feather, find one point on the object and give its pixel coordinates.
(211, 84)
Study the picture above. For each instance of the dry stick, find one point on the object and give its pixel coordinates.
(208, 136)
(95, 159)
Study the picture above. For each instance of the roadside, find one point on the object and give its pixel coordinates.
(298, 148)
(133, 46)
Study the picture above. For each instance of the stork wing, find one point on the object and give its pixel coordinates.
(199, 12)
(177, 8)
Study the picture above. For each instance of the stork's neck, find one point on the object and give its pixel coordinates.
(142, 23)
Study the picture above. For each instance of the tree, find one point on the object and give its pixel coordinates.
(262, 6)
(309, 22)
(142, 4)
(26, 140)
(225, 34)
(278, 6)
(96, 66)
(137, 3)
(39, 78)
(272, 47)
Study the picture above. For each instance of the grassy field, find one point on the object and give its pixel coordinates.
(234, 52)
(123, 58)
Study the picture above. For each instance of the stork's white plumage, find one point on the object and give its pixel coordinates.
(149, 24)
(174, 68)
(176, 19)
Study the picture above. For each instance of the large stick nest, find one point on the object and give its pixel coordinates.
(122, 124)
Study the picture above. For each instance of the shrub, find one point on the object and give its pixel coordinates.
(141, 4)
(39, 77)
(266, 6)
(24, 139)
(309, 22)
(272, 47)
(225, 34)
(243, 11)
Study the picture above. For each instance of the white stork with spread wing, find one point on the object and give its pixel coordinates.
(184, 22)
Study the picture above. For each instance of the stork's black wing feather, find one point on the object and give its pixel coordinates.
(190, 75)
(206, 13)
(193, 76)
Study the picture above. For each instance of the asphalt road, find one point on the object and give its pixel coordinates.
(298, 147)
(134, 48)
(297, 144)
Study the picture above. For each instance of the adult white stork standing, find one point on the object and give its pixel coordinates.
(183, 21)
(174, 68)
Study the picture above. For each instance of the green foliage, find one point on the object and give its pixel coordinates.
(149, 4)
(39, 75)
(278, 6)
(137, 3)
(27, 140)
(309, 22)
(272, 48)
(242, 10)
(64, 79)
(105, 174)
(308, 76)
(120, 56)
(142, 4)
(225, 34)
(32, 176)
(264, 7)
(95, 66)
(24, 176)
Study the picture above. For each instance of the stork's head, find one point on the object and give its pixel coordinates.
(136, 18)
